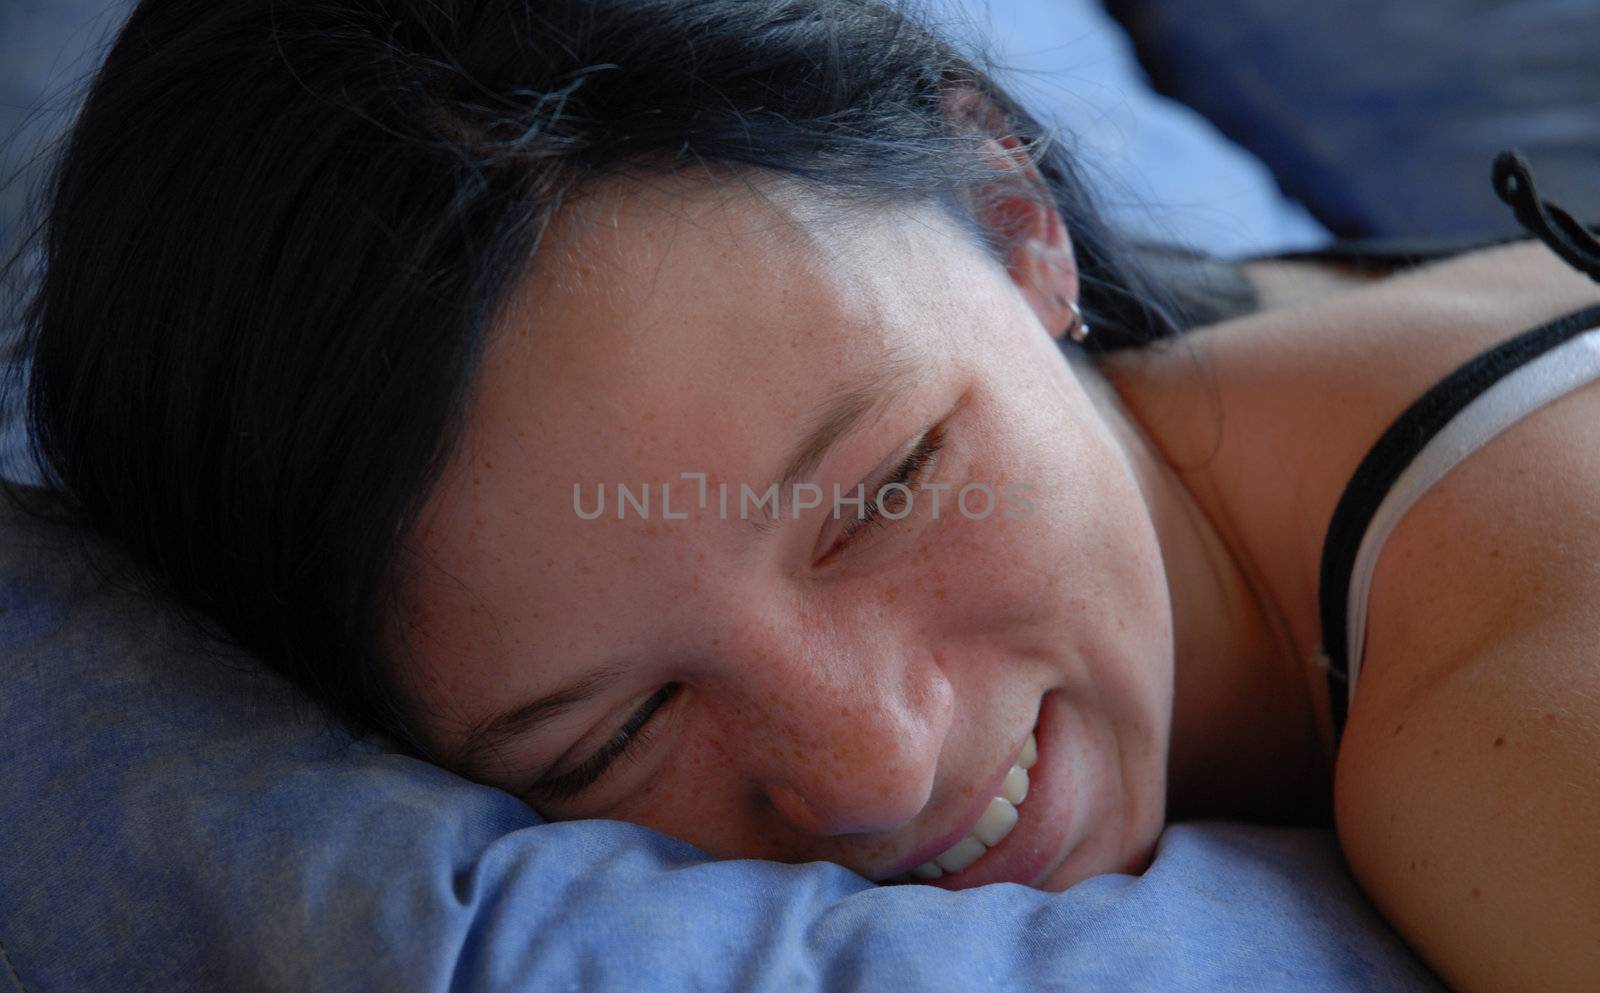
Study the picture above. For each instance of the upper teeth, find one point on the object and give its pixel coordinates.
(996, 822)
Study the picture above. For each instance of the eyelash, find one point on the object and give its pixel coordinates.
(638, 729)
(634, 733)
(907, 472)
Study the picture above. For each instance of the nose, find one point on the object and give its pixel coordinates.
(849, 735)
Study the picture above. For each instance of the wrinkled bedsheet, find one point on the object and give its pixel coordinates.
(177, 819)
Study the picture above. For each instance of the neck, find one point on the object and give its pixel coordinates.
(1245, 734)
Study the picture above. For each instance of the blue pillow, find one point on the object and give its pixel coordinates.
(179, 819)
(1159, 170)
(1384, 118)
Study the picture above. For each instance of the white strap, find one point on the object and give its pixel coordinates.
(1557, 372)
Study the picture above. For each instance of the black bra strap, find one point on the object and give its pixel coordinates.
(1383, 465)
(1513, 183)
(1414, 429)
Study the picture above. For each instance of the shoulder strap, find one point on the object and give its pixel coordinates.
(1368, 494)
(1452, 420)
(1513, 183)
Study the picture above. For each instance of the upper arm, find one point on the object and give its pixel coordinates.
(1469, 810)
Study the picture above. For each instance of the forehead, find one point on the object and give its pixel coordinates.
(684, 275)
(689, 327)
(661, 331)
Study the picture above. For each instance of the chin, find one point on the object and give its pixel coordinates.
(1122, 841)
(1087, 863)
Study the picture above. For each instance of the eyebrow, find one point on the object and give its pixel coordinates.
(843, 410)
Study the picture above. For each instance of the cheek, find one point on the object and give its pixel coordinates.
(708, 791)
(1080, 579)
(1119, 593)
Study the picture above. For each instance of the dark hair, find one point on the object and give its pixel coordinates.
(280, 232)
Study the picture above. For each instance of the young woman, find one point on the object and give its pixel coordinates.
(731, 416)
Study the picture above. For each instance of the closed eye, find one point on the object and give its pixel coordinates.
(628, 740)
(887, 496)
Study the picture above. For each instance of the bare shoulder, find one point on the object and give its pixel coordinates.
(1467, 786)
(1266, 417)
(1468, 782)
(1509, 536)
(1507, 539)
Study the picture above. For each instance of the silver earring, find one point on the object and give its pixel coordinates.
(1078, 329)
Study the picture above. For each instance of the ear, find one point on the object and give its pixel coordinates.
(1016, 207)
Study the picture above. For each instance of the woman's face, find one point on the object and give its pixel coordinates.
(794, 685)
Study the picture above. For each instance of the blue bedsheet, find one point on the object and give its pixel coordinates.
(177, 819)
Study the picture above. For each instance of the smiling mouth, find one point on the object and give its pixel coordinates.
(992, 827)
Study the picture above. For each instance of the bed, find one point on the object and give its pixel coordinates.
(179, 819)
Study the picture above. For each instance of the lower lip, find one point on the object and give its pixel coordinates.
(1041, 839)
